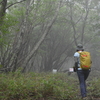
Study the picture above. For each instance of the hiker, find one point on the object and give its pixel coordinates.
(82, 73)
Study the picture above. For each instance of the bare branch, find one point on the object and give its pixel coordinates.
(84, 23)
(14, 3)
(27, 59)
(1, 2)
(73, 25)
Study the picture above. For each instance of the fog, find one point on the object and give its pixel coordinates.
(39, 36)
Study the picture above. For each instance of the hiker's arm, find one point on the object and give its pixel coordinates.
(75, 64)
(76, 59)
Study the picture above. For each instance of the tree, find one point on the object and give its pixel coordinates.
(38, 33)
(45, 32)
(81, 18)
(21, 51)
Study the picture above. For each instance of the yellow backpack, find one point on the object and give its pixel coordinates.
(85, 60)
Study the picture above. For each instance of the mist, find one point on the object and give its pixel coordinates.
(42, 35)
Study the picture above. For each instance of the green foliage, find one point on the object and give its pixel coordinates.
(1, 66)
(94, 89)
(27, 86)
(45, 86)
(6, 29)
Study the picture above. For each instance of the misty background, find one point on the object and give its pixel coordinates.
(42, 35)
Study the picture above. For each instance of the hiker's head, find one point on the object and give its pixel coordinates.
(80, 47)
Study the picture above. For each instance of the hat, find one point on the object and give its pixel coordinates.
(80, 47)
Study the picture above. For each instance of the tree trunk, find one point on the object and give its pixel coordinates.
(73, 25)
(3, 9)
(48, 27)
(84, 23)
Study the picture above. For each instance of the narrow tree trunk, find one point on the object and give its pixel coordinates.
(84, 23)
(73, 25)
(41, 39)
(2, 10)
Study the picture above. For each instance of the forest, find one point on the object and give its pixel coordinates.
(42, 35)
(37, 36)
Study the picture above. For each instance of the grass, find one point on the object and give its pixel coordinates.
(44, 86)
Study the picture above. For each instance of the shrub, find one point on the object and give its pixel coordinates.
(46, 86)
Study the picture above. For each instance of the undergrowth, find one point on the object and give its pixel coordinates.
(43, 86)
